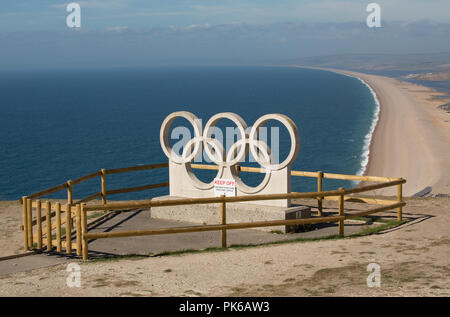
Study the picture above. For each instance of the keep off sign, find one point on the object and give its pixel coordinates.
(225, 187)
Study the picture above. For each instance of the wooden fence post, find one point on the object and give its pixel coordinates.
(223, 217)
(84, 232)
(58, 226)
(78, 223)
(48, 221)
(68, 229)
(103, 186)
(399, 199)
(30, 222)
(319, 189)
(69, 193)
(39, 223)
(341, 213)
(25, 223)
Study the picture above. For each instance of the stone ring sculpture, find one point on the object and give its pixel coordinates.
(237, 152)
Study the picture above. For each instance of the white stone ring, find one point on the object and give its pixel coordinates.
(215, 150)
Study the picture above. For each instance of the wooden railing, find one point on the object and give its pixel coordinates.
(57, 210)
(76, 212)
(104, 192)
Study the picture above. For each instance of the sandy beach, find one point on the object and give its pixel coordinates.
(412, 136)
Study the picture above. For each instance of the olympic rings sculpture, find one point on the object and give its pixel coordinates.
(236, 153)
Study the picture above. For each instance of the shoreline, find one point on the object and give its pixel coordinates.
(367, 148)
(411, 137)
(373, 127)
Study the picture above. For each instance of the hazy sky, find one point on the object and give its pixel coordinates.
(33, 33)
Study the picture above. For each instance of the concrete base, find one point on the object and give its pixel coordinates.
(236, 212)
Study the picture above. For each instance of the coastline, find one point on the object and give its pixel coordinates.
(411, 137)
(369, 136)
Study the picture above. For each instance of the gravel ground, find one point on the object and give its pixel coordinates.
(413, 258)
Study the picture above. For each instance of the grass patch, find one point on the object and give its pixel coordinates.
(95, 215)
(191, 251)
(276, 231)
(166, 253)
(387, 225)
(369, 231)
(244, 246)
(237, 289)
(289, 280)
(119, 257)
(370, 219)
(63, 233)
(130, 294)
(310, 292)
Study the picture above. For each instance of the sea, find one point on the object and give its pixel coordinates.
(57, 125)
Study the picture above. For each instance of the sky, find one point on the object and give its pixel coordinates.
(34, 34)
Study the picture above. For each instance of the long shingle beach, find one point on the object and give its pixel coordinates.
(412, 136)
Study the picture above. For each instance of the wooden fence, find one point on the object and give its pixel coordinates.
(73, 215)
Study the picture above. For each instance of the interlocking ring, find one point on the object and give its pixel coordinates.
(216, 152)
(293, 133)
(164, 136)
(219, 150)
(264, 149)
(237, 120)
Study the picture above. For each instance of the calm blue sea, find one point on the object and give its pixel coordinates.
(60, 125)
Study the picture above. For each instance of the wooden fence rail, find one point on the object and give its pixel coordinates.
(73, 215)
(211, 200)
(223, 226)
(241, 225)
(56, 210)
(70, 183)
(102, 173)
(48, 231)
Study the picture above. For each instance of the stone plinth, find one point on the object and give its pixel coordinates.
(236, 212)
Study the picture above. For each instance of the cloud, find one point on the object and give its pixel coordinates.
(322, 10)
(196, 27)
(99, 4)
(156, 13)
(237, 43)
(117, 29)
